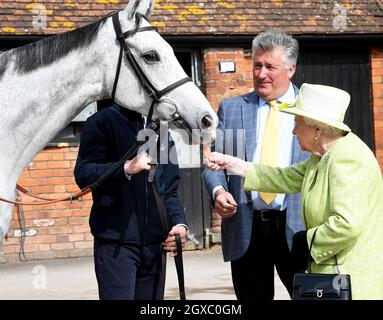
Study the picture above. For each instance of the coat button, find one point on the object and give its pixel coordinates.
(325, 254)
(330, 252)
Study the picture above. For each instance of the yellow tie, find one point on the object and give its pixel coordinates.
(270, 145)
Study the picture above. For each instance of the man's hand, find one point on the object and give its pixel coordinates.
(170, 243)
(139, 163)
(225, 204)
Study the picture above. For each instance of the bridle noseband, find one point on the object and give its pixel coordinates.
(145, 82)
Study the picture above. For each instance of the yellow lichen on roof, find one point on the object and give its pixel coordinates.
(180, 17)
(158, 24)
(226, 5)
(70, 4)
(65, 24)
(277, 3)
(8, 29)
(107, 1)
(195, 10)
(33, 5)
(203, 20)
(169, 7)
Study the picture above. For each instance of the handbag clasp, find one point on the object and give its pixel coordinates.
(319, 293)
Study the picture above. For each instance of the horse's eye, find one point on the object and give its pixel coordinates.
(151, 57)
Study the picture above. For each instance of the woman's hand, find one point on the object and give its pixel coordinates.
(233, 165)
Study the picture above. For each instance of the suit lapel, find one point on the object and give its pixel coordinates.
(249, 120)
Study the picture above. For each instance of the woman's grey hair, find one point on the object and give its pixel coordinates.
(272, 39)
(327, 129)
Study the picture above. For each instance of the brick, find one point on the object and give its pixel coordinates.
(59, 164)
(43, 247)
(62, 246)
(63, 238)
(83, 245)
(70, 156)
(81, 229)
(43, 239)
(30, 247)
(377, 72)
(61, 230)
(377, 79)
(40, 173)
(77, 220)
(76, 237)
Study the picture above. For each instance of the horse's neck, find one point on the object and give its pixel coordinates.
(36, 105)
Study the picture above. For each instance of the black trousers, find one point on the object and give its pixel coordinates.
(253, 273)
(127, 272)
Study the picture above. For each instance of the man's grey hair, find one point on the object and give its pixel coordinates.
(272, 39)
(327, 129)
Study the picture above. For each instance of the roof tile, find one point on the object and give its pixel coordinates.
(204, 17)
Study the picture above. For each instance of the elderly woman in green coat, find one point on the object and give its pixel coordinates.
(341, 186)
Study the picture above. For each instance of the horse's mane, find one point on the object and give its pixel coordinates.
(46, 51)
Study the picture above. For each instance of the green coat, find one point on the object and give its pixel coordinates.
(342, 196)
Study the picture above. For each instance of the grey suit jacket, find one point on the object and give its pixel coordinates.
(240, 113)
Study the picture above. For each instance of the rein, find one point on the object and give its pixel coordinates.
(128, 156)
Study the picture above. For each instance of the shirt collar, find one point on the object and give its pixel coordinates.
(288, 97)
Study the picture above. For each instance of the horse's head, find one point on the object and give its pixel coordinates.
(182, 105)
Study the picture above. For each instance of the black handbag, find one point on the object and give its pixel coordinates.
(321, 286)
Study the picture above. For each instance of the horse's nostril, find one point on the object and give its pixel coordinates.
(206, 122)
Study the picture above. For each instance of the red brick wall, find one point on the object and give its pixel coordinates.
(377, 100)
(223, 85)
(61, 229)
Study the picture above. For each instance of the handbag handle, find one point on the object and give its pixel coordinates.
(309, 256)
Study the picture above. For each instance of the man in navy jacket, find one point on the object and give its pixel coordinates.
(124, 219)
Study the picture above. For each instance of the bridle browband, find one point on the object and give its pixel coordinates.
(145, 82)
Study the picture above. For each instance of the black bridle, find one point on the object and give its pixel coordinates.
(145, 82)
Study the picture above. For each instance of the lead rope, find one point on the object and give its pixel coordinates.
(23, 230)
(178, 260)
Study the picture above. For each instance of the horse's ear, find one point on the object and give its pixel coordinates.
(144, 7)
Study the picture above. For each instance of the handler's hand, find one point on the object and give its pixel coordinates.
(233, 165)
(225, 204)
(139, 163)
(170, 243)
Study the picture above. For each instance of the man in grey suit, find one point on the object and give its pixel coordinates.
(257, 230)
